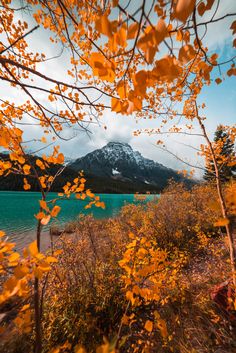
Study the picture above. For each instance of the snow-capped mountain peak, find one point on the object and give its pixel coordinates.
(118, 160)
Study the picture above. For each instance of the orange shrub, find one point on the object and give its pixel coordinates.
(176, 218)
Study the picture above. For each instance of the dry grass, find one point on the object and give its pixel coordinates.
(85, 301)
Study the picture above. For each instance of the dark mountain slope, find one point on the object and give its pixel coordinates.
(118, 161)
(115, 168)
(14, 182)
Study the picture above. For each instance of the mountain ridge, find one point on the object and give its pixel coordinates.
(114, 168)
(119, 161)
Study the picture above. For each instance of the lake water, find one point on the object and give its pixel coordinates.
(17, 210)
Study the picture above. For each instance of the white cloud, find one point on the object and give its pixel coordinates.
(120, 128)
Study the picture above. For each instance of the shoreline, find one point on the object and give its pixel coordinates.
(30, 236)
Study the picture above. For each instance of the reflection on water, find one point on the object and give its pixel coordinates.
(17, 210)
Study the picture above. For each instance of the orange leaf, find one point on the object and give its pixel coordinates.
(233, 27)
(222, 222)
(55, 211)
(121, 90)
(40, 164)
(51, 259)
(45, 220)
(201, 8)
(26, 185)
(33, 249)
(218, 80)
(43, 204)
(60, 158)
(183, 9)
(40, 215)
(115, 105)
(148, 326)
(13, 257)
(161, 324)
(26, 169)
(104, 26)
(186, 54)
(133, 30)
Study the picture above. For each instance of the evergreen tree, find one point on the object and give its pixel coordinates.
(225, 156)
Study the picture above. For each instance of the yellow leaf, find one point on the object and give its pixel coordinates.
(55, 350)
(115, 3)
(58, 252)
(102, 67)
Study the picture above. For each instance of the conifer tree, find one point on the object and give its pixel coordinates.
(225, 156)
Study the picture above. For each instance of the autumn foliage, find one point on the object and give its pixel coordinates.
(124, 279)
(129, 279)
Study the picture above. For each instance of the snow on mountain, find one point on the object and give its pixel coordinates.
(119, 161)
(115, 172)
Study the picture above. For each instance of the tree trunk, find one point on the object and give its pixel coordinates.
(224, 213)
(37, 311)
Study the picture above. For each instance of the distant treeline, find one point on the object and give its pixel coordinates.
(97, 184)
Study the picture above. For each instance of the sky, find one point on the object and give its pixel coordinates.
(220, 108)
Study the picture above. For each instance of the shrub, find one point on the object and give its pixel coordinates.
(178, 218)
(84, 299)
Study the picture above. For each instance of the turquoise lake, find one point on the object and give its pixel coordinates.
(17, 210)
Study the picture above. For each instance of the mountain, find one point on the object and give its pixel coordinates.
(14, 182)
(118, 161)
(115, 168)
